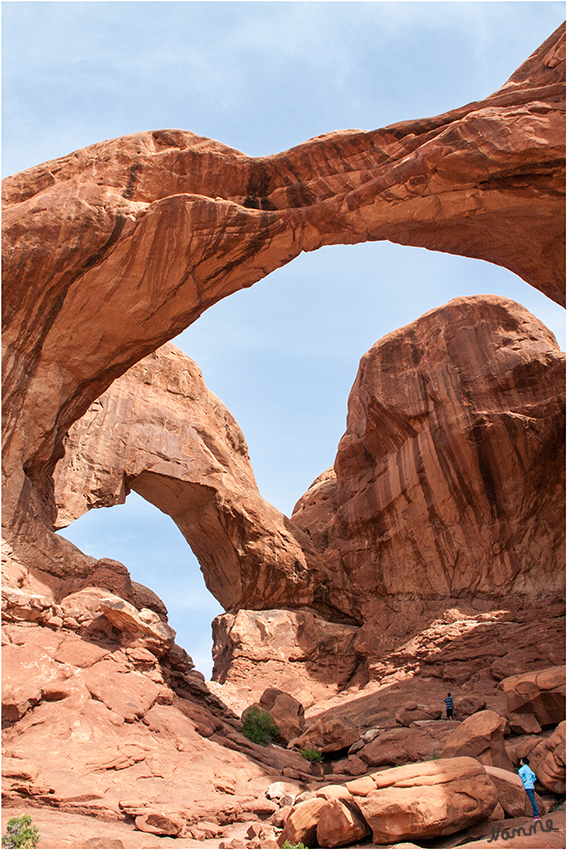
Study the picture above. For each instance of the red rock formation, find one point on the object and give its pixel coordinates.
(433, 798)
(448, 485)
(160, 431)
(110, 252)
(539, 694)
(450, 476)
(161, 225)
(511, 794)
(480, 736)
(340, 825)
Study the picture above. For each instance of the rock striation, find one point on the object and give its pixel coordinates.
(453, 446)
(447, 489)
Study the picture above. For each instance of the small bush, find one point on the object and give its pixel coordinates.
(432, 756)
(20, 833)
(288, 846)
(559, 806)
(259, 727)
(312, 755)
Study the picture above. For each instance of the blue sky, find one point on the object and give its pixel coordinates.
(262, 77)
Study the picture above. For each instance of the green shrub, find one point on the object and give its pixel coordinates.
(288, 846)
(20, 833)
(559, 806)
(259, 727)
(312, 755)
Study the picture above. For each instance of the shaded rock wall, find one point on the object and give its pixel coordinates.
(161, 225)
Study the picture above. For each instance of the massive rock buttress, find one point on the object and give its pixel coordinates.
(114, 249)
(449, 481)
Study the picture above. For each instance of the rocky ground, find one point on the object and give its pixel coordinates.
(135, 743)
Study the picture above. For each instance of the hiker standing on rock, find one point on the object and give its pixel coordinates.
(528, 778)
(449, 706)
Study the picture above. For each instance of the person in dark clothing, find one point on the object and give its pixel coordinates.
(449, 706)
(528, 778)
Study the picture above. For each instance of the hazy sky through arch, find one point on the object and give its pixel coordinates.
(263, 77)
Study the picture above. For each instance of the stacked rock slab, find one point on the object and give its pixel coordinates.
(480, 736)
(433, 798)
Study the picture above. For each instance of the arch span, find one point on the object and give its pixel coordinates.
(113, 250)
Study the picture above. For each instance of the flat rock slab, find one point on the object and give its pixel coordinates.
(129, 694)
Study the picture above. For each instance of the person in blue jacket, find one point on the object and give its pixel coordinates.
(528, 778)
(449, 706)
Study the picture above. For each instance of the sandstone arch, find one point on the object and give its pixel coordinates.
(162, 225)
(158, 430)
(447, 489)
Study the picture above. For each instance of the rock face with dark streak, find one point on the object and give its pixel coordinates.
(160, 225)
(449, 480)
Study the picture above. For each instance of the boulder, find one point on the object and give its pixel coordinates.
(464, 706)
(159, 823)
(333, 792)
(511, 794)
(301, 824)
(539, 692)
(399, 746)
(518, 747)
(481, 736)
(328, 735)
(287, 712)
(523, 724)
(351, 766)
(547, 760)
(157, 635)
(340, 824)
(427, 800)
(412, 712)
